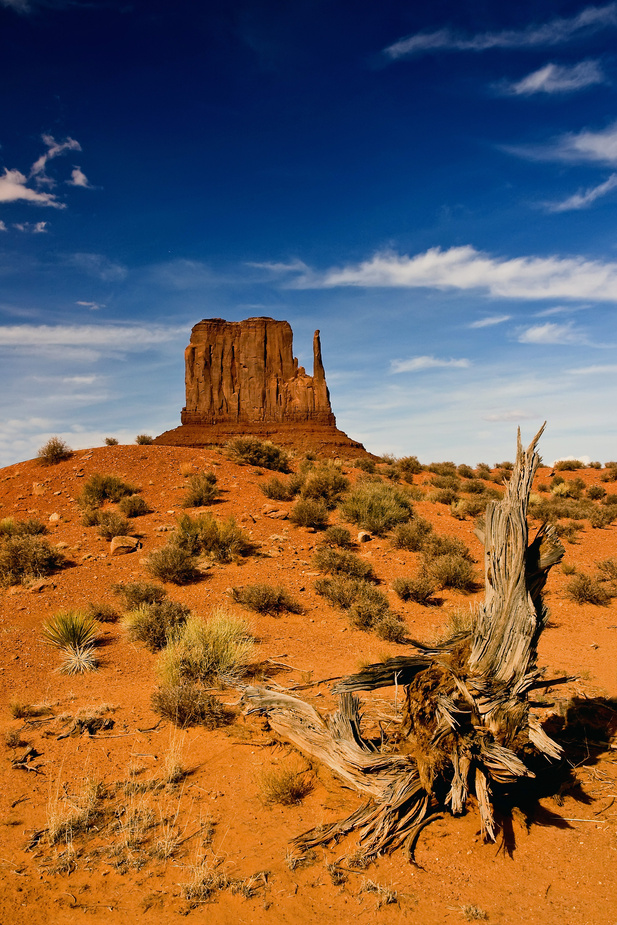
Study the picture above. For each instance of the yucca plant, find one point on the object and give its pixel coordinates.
(75, 634)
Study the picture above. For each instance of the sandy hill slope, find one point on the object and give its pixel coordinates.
(109, 808)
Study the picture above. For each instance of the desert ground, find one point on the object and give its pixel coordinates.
(169, 808)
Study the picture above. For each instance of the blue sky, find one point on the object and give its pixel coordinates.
(432, 185)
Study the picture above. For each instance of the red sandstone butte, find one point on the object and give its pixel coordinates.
(243, 379)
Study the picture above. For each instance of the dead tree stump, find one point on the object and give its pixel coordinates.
(467, 724)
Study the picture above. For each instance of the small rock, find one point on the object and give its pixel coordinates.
(164, 528)
(57, 493)
(121, 545)
(171, 512)
(38, 488)
(37, 586)
(364, 537)
(61, 545)
(54, 518)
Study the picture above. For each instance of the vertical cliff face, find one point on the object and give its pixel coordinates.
(244, 372)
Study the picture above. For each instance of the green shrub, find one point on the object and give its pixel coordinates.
(452, 571)
(209, 651)
(139, 592)
(75, 634)
(26, 557)
(583, 589)
(187, 704)
(467, 507)
(111, 524)
(421, 589)
(309, 513)
(377, 507)
(437, 545)
(325, 483)
(569, 465)
(100, 488)
(254, 452)
(366, 465)
(222, 541)
(474, 487)
(446, 481)
(277, 490)
(409, 466)
(29, 527)
(366, 606)
(54, 451)
(443, 468)
(111, 441)
(172, 563)
(594, 465)
(338, 536)
(201, 490)
(266, 599)
(155, 624)
(340, 591)
(144, 440)
(596, 492)
(133, 506)
(412, 536)
(342, 562)
(443, 496)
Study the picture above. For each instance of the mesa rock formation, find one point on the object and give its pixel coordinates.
(242, 378)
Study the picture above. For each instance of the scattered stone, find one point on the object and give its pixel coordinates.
(54, 518)
(57, 493)
(277, 513)
(61, 545)
(247, 519)
(364, 537)
(37, 586)
(121, 545)
(164, 528)
(38, 488)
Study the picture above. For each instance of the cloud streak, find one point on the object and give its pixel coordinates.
(466, 269)
(575, 147)
(417, 364)
(490, 321)
(128, 338)
(583, 198)
(556, 32)
(551, 333)
(555, 78)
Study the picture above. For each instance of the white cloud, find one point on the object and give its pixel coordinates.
(78, 178)
(555, 78)
(127, 338)
(93, 306)
(54, 149)
(99, 266)
(582, 147)
(3, 226)
(490, 321)
(598, 369)
(550, 333)
(555, 32)
(13, 188)
(496, 416)
(416, 364)
(583, 198)
(465, 268)
(31, 227)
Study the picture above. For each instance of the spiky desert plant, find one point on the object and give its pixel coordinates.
(75, 635)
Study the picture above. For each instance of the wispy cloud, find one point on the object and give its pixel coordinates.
(496, 416)
(601, 369)
(31, 227)
(14, 184)
(551, 333)
(465, 268)
(3, 226)
(417, 364)
(582, 147)
(93, 306)
(54, 149)
(13, 188)
(130, 337)
(97, 265)
(78, 178)
(555, 78)
(490, 321)
(556, 32)
(583, 198)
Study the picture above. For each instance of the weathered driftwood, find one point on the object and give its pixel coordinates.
(466, 723)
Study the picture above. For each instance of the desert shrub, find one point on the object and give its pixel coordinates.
(341, 562)
(594, 465)
(133, 506)
(144, 440)
(102, 613)
(340, 592)
(111, 524)
(286, 786)
(596, 492)
(446, 481)
(139, 592)
(583, 589)
(325, 483)
(437, 545)
(501, 476)
(201, 490)
(338, 536)
(608, 569)
(467, 507)
(443, 496)
(100, 488)
(366, 465)
(483, 471)
(412, 536)
(568, 489)
(568, 465)
(452, 571)
(309, 513)
(254, 452)
(26, 557)
(409, 466)
(442, 468)
(377, 507)
(29, 527)
(266, 599)
(171, 563)
(75, 634)
(420, 589)
(609, 474)
(569, 531)
(187, 704)
(475, 487)
(465, 472)
(54, 451)
(211, 651)
(111, 441)
(366, 606)
(602, 516)
(222, 541)
(155, 624)
(277, 490)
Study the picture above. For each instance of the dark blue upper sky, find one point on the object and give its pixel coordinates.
(432, 185)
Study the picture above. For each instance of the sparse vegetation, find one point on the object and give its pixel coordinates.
(75, 634)
(133, 506)
(309, 513)
(377, 507)
(102, 613)
(29, 527)
(583, 589)
(144, 440)
(338, 536)
(342, 562)
(325, 483)
(111, 524)
(285, 785)
(266, 599)
(452, 571)
(27, 557)
(366, 606)
(172, 563)
(366, 465)
(212, 651)
(278, 490)
(202, 490)
(187, 704)
(54, 451)
(139, 592)
(155, 624)
(111, 441)
(568, 465)
(222, 541)
(100, 488)
(254, 452)
(421, 589)
(412, 536)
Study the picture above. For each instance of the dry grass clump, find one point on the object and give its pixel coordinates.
(144, 440)
(377, 507)
(341, 562)
(366, 465)
(325, 483)
(111, 441)
(420, 589)
(133, 506)
(452, 571)
(569, 465)
(187, 704)
(338, 536)
(211, 651)
(27, 557)
(13, 739)
(102, 613)
(278, 490)
(367, 608)
(54, 451)
(254, 452)
(75, 634)
(266, 599)
(139, 592)
(172, 563)
(100, 488)
(30, 527)
(155, 624)
(286, 786)
(202, 490)
(19, 710)
(111, 524)
(309, 513)
(412, 536)
(583, 589)
(474, 913)
(385, 895)
(221, 541)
